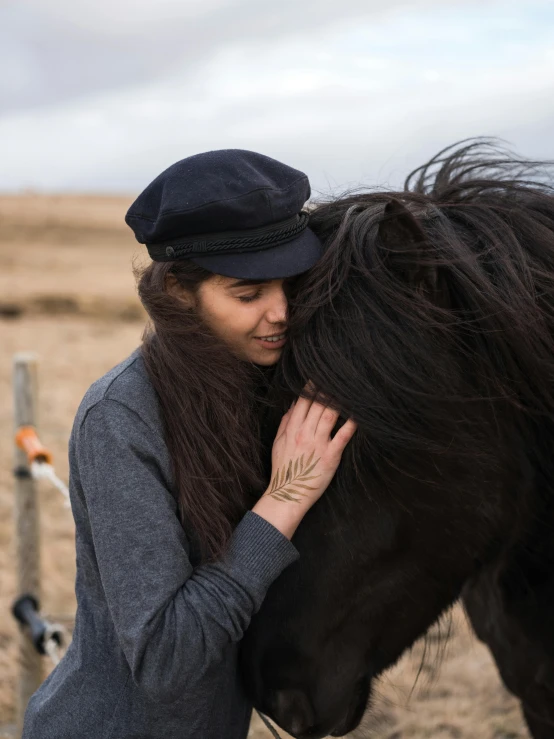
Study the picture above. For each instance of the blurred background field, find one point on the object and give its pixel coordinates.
(68, 294)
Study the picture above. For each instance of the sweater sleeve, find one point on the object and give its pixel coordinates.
(173, 622)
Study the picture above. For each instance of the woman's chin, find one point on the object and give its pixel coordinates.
(265, 357)
(267, 361)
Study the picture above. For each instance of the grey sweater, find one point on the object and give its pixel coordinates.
(154, 650)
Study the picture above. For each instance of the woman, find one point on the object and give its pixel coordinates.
(177, 541)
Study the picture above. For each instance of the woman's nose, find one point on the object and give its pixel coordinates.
(277, 311)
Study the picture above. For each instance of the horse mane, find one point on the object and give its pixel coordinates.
(448, 372)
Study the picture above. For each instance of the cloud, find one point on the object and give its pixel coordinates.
(60, 49)
(350, 102)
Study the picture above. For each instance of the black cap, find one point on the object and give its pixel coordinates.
(234, 212)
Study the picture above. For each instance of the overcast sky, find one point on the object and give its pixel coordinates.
(101, 95)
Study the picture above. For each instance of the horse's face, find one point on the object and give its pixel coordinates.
(371, 579)
(422, 495)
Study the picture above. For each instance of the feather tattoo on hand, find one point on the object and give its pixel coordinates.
(289, 478)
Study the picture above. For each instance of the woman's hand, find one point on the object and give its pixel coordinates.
(304, 457)
(304, 461)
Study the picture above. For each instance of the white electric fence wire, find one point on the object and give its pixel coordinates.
(44, 471)
(53, 635)
(51, 649)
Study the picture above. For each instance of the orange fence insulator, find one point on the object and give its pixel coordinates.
(26, 438)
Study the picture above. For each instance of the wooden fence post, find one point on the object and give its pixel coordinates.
(26, 526)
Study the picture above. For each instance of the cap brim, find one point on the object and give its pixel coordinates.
(273, 263)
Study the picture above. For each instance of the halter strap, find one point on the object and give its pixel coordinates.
(272, 731)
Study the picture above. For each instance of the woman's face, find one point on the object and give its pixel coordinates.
(245, 313)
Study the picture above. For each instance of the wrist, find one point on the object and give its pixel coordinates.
(284, 515)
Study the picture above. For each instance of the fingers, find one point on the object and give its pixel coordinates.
(284, 422)
(313, 418)
(343, 436)
(317, 420)
(327, 420)
(314, 413)
(300, 410)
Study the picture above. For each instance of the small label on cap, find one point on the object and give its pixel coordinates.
(170, 251)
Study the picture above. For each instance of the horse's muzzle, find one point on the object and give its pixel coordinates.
(293, 711)
(358, 704)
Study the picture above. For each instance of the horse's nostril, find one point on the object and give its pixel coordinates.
(292, 710)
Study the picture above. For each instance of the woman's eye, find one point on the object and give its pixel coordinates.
(249, 298)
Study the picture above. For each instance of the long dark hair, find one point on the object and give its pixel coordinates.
(208, 399)
(455, 269)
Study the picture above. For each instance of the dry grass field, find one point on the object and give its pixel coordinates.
(67, 293)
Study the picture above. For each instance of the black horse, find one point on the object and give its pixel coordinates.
(430, 320)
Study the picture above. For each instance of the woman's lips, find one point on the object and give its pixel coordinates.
(271, 344)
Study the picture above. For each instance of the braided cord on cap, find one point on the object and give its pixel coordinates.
(232, 242)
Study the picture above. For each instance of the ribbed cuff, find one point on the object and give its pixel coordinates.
(259, 550)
